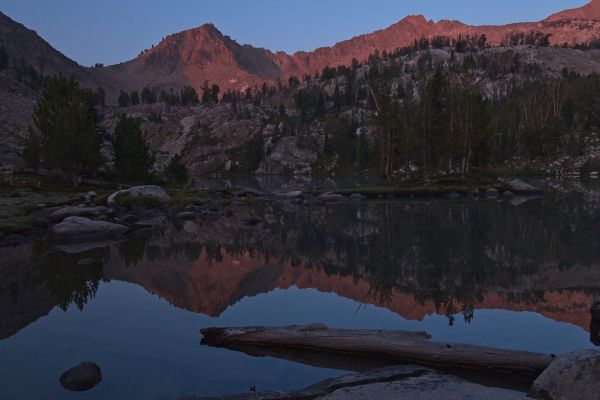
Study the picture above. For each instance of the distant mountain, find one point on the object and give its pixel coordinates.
(194, 56)
(25, 45)
(590, 11)
(204, 54)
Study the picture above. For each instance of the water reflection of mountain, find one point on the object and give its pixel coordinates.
(414, 258)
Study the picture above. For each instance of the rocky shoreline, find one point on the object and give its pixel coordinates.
(116, 214)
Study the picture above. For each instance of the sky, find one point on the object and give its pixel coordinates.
(111, 31)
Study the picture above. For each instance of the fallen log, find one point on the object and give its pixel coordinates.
(400, 346)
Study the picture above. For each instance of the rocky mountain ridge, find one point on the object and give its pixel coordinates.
(194, 56)
(204, 53)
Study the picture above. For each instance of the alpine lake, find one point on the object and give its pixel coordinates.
(517, 273)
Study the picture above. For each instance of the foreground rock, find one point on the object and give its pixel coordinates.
(572, 376)
(76, 211)
(79, 229)
(396, 346)
(401, 382)
(148, 191)
(82, 377)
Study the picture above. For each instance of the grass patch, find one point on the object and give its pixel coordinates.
(20, 224)
(127, 200)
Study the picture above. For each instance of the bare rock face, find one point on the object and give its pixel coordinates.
(572, 376)
(401, 382)
(152, 191)
(84, 376)
(288, 156)
(79, 229)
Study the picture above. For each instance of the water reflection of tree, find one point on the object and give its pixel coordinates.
(69, 282)
(446, 253)
(133, 250)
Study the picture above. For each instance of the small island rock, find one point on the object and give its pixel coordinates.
(84, 376)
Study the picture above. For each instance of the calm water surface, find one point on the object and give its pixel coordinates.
(506, 274)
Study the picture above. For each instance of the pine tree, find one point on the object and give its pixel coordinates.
(133, 159)
(66, 118)
(206, 93)
(176, 172)
(214, 93)
(3, 58)
(32, 152)
(135, 97)
(148, 96)
(188, 96)
(124, 99)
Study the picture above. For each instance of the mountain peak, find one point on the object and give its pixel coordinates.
(415, 19)
(209, 28)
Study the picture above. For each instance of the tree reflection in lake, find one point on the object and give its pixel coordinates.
(70, 278)
(450, 254)
(449, 257)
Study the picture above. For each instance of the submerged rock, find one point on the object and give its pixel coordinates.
(332, 197)
(82, 377)
(572, 376)
(150, 191)
(401, 382)
(508, 194)
(79, 229)
(473, 193)
(291, 195)
(492, 193)
(250, 222)
(358, 197)
(453, 196)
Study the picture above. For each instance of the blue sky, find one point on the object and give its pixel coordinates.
(110, 31)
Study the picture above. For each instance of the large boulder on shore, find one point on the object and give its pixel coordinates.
(520, 186)
(149, 191)
(82, 377)
(79, 229)
(572, 376)
(76, 211)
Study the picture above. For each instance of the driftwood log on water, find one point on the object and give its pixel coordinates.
(400, 346)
